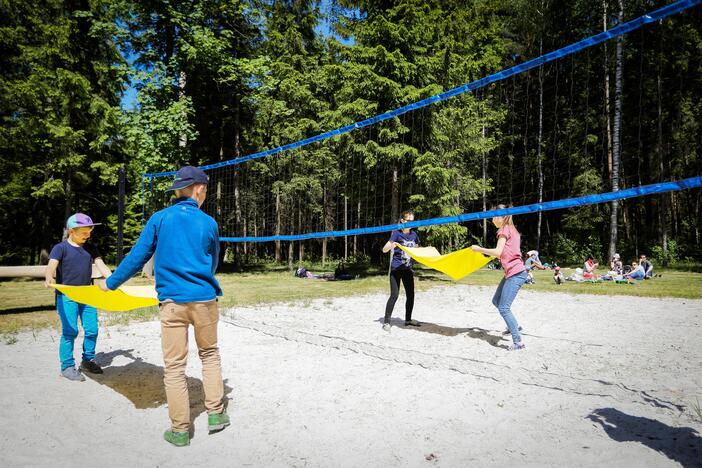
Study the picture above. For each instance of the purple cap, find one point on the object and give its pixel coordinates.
(80, 220)
(187, 176)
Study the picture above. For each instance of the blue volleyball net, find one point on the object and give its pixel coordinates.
(356, 179)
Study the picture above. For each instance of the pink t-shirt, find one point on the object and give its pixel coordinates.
(511, 258)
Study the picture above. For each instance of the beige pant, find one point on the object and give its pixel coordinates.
(175, 319)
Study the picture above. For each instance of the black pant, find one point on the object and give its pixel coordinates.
(407, 277)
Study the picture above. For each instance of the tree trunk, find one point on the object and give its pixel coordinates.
(395, 200)
(608, 132)
(182, 81)
(237, 215)
(539, 163)
(484, 191)
(346, 226)
(358, 225)
(290, 255)
(662, 214)
(301, 251)
(324, 216)
(68, 200)
(277, 226)
(616, 140)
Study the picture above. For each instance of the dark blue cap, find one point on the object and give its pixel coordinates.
(187, 176)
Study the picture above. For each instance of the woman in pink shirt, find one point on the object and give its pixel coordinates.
(510, 255)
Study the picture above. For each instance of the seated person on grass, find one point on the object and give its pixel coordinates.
(532, 262)
(616, 265)
(558, 275)
(590, 267)
(637, 272)
(647, 267)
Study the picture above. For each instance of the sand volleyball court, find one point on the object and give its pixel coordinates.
(611, 381)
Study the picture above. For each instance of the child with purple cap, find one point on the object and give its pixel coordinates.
(71, 263)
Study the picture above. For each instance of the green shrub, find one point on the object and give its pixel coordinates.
(671, 257)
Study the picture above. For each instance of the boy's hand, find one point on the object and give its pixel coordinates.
(476, 248)
(49, 282)
(103, 285)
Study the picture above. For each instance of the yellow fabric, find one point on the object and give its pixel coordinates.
(124, 298)
(457, 265)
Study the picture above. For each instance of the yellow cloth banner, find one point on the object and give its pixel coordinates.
(124, 298)
(457, 265)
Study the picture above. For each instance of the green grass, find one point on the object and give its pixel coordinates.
(28, 305)
(673, 284)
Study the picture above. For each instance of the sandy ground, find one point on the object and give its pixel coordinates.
(604, 381)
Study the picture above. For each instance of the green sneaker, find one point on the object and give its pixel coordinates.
(179, 439)
(217, 421)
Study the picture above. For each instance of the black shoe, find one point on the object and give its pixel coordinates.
(412, 323)
(91, 366)
(507, 332)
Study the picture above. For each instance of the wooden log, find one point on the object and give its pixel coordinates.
(32, 271)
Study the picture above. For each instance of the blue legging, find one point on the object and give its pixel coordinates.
(69, 311)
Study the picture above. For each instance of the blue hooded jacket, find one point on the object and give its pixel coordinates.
(185, 242)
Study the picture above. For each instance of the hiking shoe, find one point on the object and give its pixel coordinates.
(71, 373)
(517, 346)
(386, 327)
(507, 332)
(91, 366)
(217, 421)
(179, 439)
(412, 323)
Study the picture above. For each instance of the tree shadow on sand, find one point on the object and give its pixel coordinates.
(681, 444)
(142, 383)
(472, 332)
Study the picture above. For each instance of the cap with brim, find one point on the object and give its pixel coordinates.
(532, 252)
(79, 220)
(187, 176)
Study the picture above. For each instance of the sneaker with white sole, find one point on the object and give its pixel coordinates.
(71, 373)
(517, 346)
(386, 327)
(217, 421)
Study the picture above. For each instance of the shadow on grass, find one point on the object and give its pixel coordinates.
(24, 310)
(472, 332)
(681, 444)
(142, 383)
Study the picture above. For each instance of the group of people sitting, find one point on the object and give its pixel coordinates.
(641, 270)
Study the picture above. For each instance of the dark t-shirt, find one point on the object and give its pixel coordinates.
(400, 259)
(75, 263)
(646, 265)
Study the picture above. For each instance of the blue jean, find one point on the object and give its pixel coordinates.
(637, 275)
(504, 296)
(69, 311)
